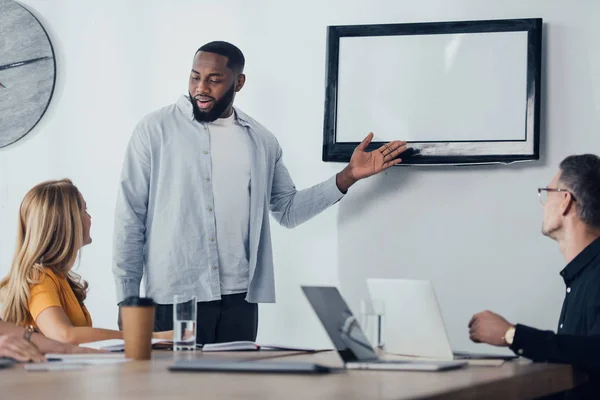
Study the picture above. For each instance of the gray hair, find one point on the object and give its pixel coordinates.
(581, 175)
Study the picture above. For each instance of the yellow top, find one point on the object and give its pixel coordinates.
(54, 290)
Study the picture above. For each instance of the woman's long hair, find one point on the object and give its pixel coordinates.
(50, 235)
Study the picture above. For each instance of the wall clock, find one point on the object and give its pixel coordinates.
(27, 71)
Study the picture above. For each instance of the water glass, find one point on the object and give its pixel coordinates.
(372, 312)
(184, 323)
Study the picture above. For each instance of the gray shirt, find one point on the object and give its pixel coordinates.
(165, 219)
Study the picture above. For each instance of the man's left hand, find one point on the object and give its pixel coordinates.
(488, 327)
(366, 163)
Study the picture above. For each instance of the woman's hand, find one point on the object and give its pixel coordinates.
(16, 347)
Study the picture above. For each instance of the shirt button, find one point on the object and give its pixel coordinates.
(210, 209)
(205, 152)
(214, 267)
(561, 326)
(212, 239)
(568, 290)
(520, 351)
(207, 179)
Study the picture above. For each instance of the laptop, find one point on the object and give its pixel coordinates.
(413, 323)
(264, 366)
(349, 339)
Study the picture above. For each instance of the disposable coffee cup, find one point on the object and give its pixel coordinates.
(137, 317)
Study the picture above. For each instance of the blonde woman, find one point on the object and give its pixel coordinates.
(41, 289)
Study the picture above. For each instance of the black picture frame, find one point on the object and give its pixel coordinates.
(334, 151)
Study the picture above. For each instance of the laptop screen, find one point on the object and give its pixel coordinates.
(339, 322)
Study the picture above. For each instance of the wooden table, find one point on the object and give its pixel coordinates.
(152, 380)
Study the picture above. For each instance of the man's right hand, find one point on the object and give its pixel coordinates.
(16, 347)
(488, 327)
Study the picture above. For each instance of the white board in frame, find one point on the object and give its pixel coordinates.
(463, 92)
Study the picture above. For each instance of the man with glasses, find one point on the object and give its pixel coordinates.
(572, 218)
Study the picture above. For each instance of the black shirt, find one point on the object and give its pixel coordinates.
(580, 351)
(578, 339)
(580, 313)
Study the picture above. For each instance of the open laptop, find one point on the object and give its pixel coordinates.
(348, 337)
(413, 323)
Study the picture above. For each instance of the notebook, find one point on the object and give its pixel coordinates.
(251, 346)
(116, 345)
(231, 346)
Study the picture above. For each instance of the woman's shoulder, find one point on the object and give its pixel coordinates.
(48, 280)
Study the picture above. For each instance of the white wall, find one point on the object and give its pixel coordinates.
(473, 231)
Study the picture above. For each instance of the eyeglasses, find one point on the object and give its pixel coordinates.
(543, 193)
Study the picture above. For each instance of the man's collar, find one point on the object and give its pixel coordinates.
(184, 104)
(581, 261)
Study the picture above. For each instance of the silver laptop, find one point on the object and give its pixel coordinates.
(350, 341)
(413, 303)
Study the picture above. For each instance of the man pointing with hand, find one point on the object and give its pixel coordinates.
(199, 181)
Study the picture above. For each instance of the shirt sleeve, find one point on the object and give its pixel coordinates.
(42, 296)
(291, 207)
(547, 346)
(130, 217)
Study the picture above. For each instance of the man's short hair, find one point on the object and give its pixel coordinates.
(581, 175)
(235, 57)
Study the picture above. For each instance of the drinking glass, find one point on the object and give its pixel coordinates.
(372, 312)
(184, 323)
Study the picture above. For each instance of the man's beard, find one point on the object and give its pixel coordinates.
(218, 108)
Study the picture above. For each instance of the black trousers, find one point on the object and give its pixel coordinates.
(230, 319)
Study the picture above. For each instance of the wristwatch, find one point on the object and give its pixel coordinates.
(28, 332)
(509, 336)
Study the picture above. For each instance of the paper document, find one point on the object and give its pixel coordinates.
(119, 344)
(64, 362)
(102, 357)
(53, 366)
(231, 346)
(87, 359)
(276, 347)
